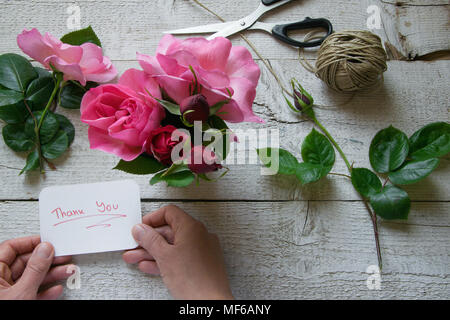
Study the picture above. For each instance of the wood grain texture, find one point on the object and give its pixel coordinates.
(414, 28)
(281, 240)
(413, 95)
(291, 250)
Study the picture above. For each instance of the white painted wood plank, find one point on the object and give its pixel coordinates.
(285, 250)
(416, 28)
(413, 95)
(129, 26)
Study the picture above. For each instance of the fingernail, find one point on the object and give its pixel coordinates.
(138, 231)
(44, 250)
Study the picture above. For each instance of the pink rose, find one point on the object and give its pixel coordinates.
(121, 116)
(160, 144)
(81, 63)
(218, 66)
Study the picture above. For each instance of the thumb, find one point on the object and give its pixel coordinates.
(150, 239)
(37, 268)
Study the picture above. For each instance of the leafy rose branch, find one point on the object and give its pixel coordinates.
(394, 157)
(28, 99)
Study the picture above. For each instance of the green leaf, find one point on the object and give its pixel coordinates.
(9, 97)
(72, 94)
(217, 122)
(32, 162)
(56, 147)
(284, 160)
(142, 165)
(42, 73)
(310, 172)
(15, 138)
(178, 179)
(79, 37)
(366, 182)
(169, 106)
(317, 149)
(388, 150)
(39, 91)
(413, 171)
(15, 113)
(391, 203)
(16, 72)
(49, 128)
(432, 141)
(66, 126)
(157, 178)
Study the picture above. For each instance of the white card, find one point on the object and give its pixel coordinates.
(88, 218)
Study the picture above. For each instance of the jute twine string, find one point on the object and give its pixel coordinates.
(349, 61)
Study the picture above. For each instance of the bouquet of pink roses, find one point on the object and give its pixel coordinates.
(190, 88)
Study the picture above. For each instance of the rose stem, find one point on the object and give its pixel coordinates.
(372, 215)
(41, 120)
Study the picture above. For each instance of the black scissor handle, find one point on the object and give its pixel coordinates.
(270, 2)
(281, 31)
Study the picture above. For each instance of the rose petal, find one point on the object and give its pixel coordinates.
(211, 55)
(102, 141)
(140, 82)
(241, 65)
(31, 43)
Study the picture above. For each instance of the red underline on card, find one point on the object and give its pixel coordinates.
(99, 224)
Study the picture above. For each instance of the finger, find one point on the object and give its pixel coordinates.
(149, 239)
(169, 215)
(37, 267)
(18, 266)
(149, 267)
(58, 273)
(5, 273)
(10, 249)
(166, 232)
(52, 293)
(136, 255)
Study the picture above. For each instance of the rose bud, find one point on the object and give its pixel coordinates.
(302, 100)
(195, 108)
(160, 144)
(203, 160)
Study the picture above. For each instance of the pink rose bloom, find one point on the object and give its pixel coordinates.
(122, 116)
(160, 144)
(218, 65)
(81, 63)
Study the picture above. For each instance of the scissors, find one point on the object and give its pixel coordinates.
(250, 22)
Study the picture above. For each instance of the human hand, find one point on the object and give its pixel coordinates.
(181, 250)
(26, 265)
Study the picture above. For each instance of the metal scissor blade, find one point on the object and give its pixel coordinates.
(209, 28)
(248, 21)
(228, 31)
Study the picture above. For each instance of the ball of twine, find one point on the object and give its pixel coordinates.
(351, 61)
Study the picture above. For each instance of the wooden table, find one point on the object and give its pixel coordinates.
(281, 240)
